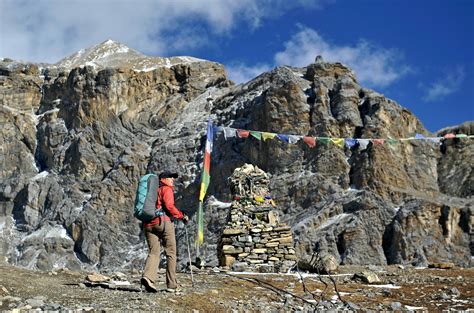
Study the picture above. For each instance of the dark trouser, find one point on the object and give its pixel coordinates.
(165, 232)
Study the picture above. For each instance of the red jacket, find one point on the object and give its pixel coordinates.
(166, 203)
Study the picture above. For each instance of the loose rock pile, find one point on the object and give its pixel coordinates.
(253, 238)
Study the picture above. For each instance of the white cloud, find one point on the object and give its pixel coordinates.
(444, 86)
(48, 30)
(241, 73)
(374, 66)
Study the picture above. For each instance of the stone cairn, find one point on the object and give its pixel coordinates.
(253, 238)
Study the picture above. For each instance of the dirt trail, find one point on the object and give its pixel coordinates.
(431, 289)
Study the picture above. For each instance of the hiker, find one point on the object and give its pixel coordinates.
(161, 228)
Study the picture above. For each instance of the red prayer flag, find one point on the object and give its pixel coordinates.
(243, 133)
(310, 141)
(378, 141)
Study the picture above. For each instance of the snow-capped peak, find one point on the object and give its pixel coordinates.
(114, 54)
(104, 54)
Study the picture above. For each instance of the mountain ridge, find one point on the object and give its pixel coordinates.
(110, 54)
(76, 142)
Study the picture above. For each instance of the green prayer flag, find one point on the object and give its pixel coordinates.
(256, 134)
(323, 140)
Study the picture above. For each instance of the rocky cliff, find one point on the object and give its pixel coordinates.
(74, 142)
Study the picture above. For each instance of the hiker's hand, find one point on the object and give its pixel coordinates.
(185, 218)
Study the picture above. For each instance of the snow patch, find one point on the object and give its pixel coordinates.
(7, 226)
(352, 188)
(213, 202)
(91, 63)
(46, 232)
(120, 283)
(334, 219)
(412, 308)
(149, 69)
(41, 175)
(78, 209)
(60, 263)
(33, 161)
(37, 118)
(389, 286)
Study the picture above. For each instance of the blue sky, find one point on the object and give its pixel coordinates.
(418, 53)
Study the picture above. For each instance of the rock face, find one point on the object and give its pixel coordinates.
(253, 238)
(74, 143)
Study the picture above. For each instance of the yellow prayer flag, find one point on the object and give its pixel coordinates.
(266, 136)
(202, 193)
(338, 142)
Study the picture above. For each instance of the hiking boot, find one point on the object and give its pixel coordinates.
(148, 284)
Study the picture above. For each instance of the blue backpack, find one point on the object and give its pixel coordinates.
(145, 198)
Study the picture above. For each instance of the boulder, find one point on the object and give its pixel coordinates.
(368, 277)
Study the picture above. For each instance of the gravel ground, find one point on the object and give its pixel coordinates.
(400, 288)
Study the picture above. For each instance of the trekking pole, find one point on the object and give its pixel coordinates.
(189, 255)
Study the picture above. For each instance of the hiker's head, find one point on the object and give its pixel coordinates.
(168, 177)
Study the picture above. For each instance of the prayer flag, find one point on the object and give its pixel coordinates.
(338, 142)
(293, 139)
(283, 137)
(435, 139)
(266, 136)
(256, 134)
(392, 141)
(378, 141)
(363, 143)
(323, 140)
(461, 136)
(450, 136)
(243, 133)
(350, 142)
(229, 132)
(205, 179)
(310, 141)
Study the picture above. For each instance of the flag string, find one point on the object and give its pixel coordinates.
(311, 141)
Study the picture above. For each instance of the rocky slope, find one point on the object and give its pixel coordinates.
(75, 141)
